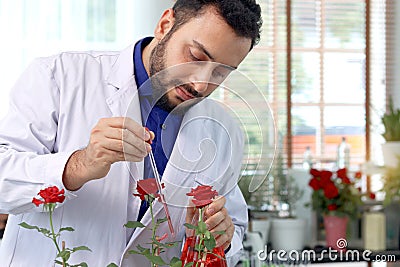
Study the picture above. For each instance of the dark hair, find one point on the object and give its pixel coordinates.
(244, 16)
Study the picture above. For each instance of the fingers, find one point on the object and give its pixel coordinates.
(225, 239)
(215, 206)
(221, 226)
(120, 139)
(131, 125)
(219, 223)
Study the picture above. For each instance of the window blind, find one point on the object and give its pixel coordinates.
(324, 68)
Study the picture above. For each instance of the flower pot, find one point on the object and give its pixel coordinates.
(391, 150)
(262, 227)
(214, 259)
(335, 231)
(288, 234)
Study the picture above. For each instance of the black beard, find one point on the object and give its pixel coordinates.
(157, 64)
(159, 81)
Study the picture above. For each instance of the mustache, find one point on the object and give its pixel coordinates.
(187, 87)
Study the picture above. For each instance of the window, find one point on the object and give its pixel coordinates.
(33, 28)
(322, 65)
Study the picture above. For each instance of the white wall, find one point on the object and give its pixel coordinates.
(31, 29)
(147, 18)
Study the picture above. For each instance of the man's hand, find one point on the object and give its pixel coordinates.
(111, 140)
(217, 219)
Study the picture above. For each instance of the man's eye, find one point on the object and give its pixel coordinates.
(217, 73)
(193, 57)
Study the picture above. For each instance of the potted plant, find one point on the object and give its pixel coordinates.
(391, 149)
(336, 197)
(391, 188)
(391, 184)
(287, 231)
(257, 202)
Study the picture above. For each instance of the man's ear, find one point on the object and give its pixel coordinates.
(165, 24)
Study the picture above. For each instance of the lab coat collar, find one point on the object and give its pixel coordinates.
(122, 70)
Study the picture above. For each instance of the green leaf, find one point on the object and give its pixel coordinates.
(175, 262)
(210, 243)
(190, 226)
(58, 262)
(134, 224)
(189, 264)
(142, 249)
(28, 226)
(160, 221)
(45, 231)
(64, 254)
(155, 259)
(173, 244)
(202, 227)
(69, 229)
(134, 252)
(80, 248)
(112, 265)
(207, 235)
(82, 264)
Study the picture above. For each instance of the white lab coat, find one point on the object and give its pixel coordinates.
(54, 106)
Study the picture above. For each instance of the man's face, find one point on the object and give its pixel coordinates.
(211, 47)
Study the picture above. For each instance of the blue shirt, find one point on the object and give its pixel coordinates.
(164, 125)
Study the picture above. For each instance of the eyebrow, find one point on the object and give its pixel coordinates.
(205, 51)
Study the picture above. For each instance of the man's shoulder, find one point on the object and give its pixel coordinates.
(85, 58)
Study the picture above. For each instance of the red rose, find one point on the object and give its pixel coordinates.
(342, 173)
(50, 195)
(330, 190)
(315, 172)
(358, 175)
(147, 187)
(37, 202)
(314, 184)
(346, 180)
(202, 195)
(332, 207)
(372, 195)
(325, 178)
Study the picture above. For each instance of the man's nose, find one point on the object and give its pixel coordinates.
(201, 87)
(202, 77)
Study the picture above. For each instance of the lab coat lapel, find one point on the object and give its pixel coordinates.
(125, 100)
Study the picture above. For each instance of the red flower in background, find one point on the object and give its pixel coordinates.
(50, 195)
(325, 177)
(342, 173)
(332, 207)
(372, 195)
(334, 193)
(321, 178)
(314, 184)
(331, 191)
(202, 195)
(147, 187)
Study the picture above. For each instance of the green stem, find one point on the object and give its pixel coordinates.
(153, 229)
(54, 238)
(201, 237)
